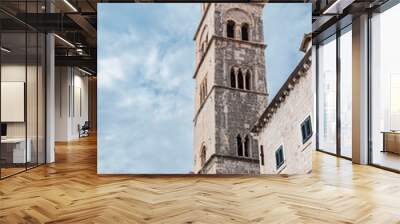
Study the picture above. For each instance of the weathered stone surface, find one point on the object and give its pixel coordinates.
(228, 112)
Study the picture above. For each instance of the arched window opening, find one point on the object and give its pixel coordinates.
(245, 31)
(233, 78)
(246, 146)
(203, 155)
(239, 145)
(201, 93)
(204, 89)
(240, 79)
(248, 80)
(230, 29)
(201, 50)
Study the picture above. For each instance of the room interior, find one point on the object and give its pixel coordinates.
(29, 124)
(22, 101)
(68, 188)
(24, 51)
(385, 90)
(337, 85)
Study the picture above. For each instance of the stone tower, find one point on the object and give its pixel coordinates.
(230, 92)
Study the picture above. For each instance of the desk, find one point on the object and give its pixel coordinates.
(13, 150)
(391, 141)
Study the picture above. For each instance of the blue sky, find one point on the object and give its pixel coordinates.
(146, 63)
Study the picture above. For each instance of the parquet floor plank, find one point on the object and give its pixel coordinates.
(70, 191)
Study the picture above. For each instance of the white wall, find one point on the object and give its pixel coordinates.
(284, 129)
(71, 102)
(62, 81)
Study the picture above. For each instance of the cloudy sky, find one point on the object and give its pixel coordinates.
(146, 63)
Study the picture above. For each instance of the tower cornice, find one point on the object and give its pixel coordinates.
(227, 88)
(213, 156)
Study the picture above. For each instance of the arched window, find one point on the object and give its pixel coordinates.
(240, 79)
(239, 145)
(230, 29)
(203, 90)
(246, 146)
(245, 31)
(201, 50)
(201, 93)
(205, 87)
(203, 155)
(248, 80)
(233, 78)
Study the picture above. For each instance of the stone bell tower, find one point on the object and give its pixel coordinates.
(231, 91)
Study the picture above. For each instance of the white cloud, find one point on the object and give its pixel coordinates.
(110, 70)
(145, 92)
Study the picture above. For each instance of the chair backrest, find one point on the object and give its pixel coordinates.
(86, 124)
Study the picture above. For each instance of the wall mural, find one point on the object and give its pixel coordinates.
(204, 89)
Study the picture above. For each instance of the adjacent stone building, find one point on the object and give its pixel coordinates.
(230, 92)
(285, 129)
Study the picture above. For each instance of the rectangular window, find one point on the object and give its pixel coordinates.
(262, 155)
(306, 129)
(22, 78)
(334, 88)
(345, 93)
(327, 95)
(385, 89)
(279, 157)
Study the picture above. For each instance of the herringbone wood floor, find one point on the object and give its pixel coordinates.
(69, 191)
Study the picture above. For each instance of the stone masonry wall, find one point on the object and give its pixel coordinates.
(240, 13)
(204, 132)
(236, 112)
(234, 166)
